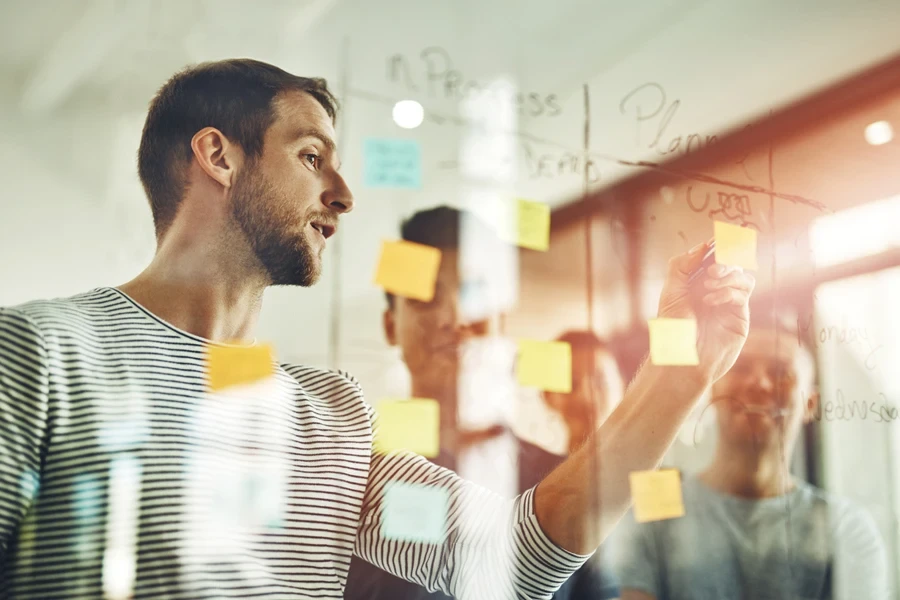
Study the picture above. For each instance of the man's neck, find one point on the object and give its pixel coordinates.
(749, 473)
(445, 393)
(199, 287)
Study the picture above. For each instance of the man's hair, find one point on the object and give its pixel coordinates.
(235, 96)
(583, 341)
(441, 227)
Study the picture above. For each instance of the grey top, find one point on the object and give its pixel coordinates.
(804, 544)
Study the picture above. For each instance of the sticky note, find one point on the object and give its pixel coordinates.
(392, 163)
(414, 513)
(408, 269)
(412, 425)
(735, 245)
(238, 365)
(545, 365)
(533, 225)
(673, 342)
(656, 495)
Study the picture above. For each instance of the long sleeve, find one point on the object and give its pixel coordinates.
(23, 419)
(491, 547)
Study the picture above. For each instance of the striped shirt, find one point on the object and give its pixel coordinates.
(122, 474)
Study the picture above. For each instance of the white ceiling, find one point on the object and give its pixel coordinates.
(69, 66)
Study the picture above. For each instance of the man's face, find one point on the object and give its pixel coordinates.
(767, 395)
(597, 388)
(287, 201)
(433, 334)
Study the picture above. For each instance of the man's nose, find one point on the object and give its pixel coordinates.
(453, 316)
(338, 196)
(449, 311)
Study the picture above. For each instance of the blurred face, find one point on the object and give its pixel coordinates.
(767, 395)
(433, 334)
(597, 389)
(288, 200)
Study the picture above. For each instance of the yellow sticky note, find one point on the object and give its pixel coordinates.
(533, 229)
(412, 425)
(673, 342)
(545, 365)
(656, 495)
(408, 269)
(414, 512)
(238, 365)
(735, 245)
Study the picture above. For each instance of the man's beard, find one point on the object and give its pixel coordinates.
(265, 218)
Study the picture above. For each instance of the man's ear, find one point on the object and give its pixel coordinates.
(390, 326)
(812, 403)
(216, 155)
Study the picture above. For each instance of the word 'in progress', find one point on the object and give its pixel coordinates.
(435, 67)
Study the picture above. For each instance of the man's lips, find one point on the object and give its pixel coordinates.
(326, 229)
(446, 348)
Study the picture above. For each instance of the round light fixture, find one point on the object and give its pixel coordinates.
(408, 114)
(879, 132)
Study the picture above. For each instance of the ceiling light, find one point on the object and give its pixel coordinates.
(408, 114)
(879, 132)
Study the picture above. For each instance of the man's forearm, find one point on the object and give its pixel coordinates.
(580, 502)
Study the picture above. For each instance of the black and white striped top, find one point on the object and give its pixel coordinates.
(98, 396)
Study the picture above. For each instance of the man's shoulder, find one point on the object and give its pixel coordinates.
(56, 313)
(844, 514)
(327, 384)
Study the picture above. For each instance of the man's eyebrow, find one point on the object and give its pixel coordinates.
(329, 143)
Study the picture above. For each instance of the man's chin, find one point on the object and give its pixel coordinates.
(755, 429)
(306, 278)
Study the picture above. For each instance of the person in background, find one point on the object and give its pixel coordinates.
(434, 338)
(597, 388)
(751, 529)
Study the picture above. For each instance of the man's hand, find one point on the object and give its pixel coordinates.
(718, 300)
(580, 502)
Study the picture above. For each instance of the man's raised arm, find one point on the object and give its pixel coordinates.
(580, 502)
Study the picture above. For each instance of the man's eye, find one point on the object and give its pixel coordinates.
(312, 159)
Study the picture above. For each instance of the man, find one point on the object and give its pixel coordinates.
(597, 389)
(751, 529)
(446, 352)
(239, 163)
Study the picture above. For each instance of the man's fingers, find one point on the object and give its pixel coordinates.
(730, 295)
(682, 265)
(735, 279)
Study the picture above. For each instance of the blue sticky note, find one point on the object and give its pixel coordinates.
(414, 513)
(392, 163)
